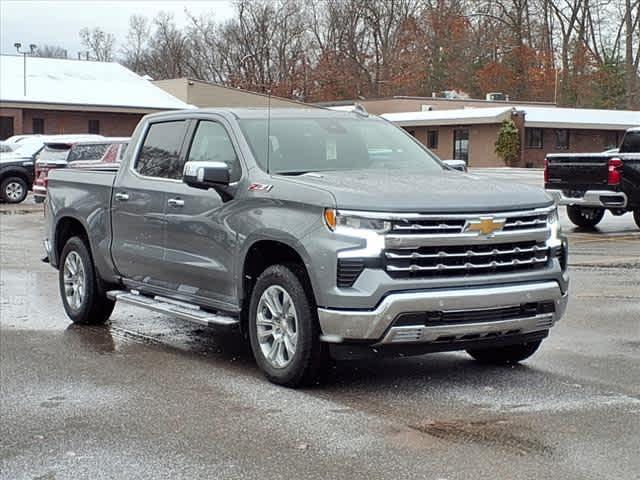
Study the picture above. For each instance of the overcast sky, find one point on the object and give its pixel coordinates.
(57, 22)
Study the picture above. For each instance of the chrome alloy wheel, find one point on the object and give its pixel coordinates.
(74, 280)
(277, 326)
(14, 191)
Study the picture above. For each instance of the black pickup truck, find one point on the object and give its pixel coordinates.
(590, 183)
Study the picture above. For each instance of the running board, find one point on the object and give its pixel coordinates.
(176, 308)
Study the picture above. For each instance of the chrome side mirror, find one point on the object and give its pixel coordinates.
(459, 165)
(206, 175)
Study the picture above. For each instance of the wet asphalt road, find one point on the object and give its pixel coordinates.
(150, 397)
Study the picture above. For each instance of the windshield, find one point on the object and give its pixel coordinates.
(299, 145)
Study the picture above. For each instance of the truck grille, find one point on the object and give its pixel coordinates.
(462, 260)
(452, 225)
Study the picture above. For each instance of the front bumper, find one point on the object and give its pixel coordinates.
(377, 325)
(591, 198)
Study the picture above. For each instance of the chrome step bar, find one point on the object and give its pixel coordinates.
(175, 308)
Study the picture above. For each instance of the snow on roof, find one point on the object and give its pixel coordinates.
(541, 117)
(580, 118)
(75, 82)
(450, 117)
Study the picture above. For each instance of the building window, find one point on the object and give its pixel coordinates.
(461, 144)
(37, 125)
(534, 137)
(6, 127)
(94, 126)
(562, 139)
(432, 139)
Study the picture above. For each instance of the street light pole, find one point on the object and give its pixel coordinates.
(32, 49)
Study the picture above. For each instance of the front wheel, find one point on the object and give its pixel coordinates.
(283, 328)
(82, 296)
(636, 217)
(14, 190)
(505, 355)
(586, 217)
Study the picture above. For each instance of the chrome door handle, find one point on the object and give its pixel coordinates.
(122, 197)
(175, 202)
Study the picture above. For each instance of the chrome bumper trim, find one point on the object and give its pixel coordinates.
(468, 331)
(591, 198)
(340, 325)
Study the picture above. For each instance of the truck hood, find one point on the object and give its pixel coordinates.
(446, 191)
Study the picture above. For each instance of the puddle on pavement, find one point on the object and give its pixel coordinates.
(493, 433)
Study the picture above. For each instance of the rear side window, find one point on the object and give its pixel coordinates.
(211, 143)
(87, 152)
(160, 153)
(630, 143)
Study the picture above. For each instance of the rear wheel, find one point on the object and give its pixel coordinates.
(14, 190)
(636, 217)
(586, 217)
(505, 355)
(283, 328)
(82, 296)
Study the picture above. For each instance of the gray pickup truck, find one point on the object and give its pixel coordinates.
(318, 234)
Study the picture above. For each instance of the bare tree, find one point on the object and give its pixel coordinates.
(99, 43)
(51, 51)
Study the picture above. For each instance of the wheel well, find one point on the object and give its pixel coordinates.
(16, 173)
(262, 255)
(68, 227)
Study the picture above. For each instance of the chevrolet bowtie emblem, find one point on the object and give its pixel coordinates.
(485, 225)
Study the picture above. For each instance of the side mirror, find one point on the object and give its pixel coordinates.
(206, 175)
(459, 165)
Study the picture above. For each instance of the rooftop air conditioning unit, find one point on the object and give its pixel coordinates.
(497, 97)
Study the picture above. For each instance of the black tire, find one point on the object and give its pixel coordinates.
(585, 217)
(94, 307)
(636, 217)
(505, 355)
(311, 358)
(14, 189)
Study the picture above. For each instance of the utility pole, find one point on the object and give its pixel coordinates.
(32, 49)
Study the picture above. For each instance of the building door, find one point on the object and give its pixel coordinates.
(6, 127)
(461, 144)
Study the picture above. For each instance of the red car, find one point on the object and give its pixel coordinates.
(81, 150)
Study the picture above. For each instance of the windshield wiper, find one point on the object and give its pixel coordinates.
(293, 173)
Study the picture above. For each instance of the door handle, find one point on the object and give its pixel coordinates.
(122, 197)
(175, 202)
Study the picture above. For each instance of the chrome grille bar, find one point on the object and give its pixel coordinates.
(468, 253)
(468, 265)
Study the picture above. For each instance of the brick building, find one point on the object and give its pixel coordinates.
(59, 96)
(467, 129)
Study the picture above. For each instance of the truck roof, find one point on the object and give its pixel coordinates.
(260, 112)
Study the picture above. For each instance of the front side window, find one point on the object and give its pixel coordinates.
(160, 153)
(211, 143)
(534, 137)
(562, 139)
(322, 144)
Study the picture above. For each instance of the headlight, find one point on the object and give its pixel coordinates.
(335, 219)
(552, 218)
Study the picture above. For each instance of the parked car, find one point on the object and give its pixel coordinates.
(88, 154)
(309, 241)
(591, 183)
(17, 170)
(7, 147)
(55, 153)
